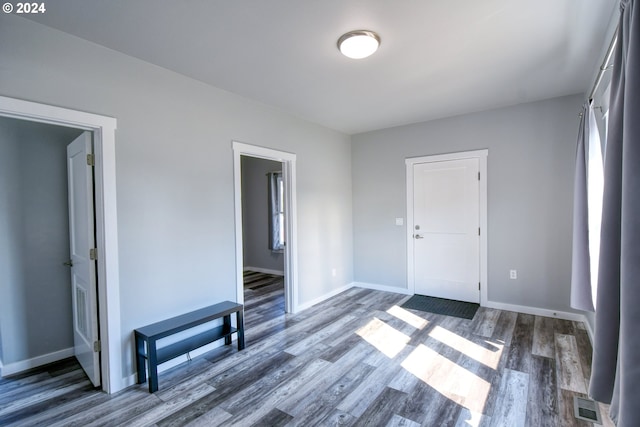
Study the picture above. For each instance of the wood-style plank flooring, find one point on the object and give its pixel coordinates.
(356, 359)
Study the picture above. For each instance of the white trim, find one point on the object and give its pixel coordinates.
(324, 297)
(130, 380)
(291, 228)
(565, 315)
(385, 288)
(588, 328)
(103, 129)
(481, 155)
(25, 365)
(490, 304)
(264, 270)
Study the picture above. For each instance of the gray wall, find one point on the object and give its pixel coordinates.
(255, 214)
(175, 171)
(35, 295)
(530, 187)
(10, 224)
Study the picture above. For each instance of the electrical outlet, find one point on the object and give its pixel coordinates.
(334, 272)
(513, 274)
(399, 221)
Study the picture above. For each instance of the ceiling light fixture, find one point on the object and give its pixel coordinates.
(358, 44)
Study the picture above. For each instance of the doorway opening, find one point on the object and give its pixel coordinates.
(35, 296)
(106, 246)
(263, 238)
(265, 224)
(49, 295)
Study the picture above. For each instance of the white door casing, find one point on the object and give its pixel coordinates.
(104, 141)
(288, 161)
(446, 202)
(82, 247)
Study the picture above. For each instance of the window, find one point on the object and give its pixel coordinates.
(276, 212)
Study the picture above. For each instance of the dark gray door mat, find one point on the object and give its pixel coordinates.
(448, 307)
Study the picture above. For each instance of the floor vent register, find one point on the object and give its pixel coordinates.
(586, 409)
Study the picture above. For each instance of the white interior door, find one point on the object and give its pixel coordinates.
(82, 244)
(446, 229)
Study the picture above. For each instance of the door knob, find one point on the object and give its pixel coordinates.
(417, 236)
(68, 263)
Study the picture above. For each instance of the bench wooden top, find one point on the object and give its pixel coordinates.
(188, 320)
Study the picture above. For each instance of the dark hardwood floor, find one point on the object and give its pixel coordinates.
(355, 359)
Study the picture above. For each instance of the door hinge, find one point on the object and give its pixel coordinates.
(478, 231)
(93, 254)
(478, 285)
(478, 176)
(97, 346)
(90, 160)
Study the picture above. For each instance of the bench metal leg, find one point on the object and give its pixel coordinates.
(153, 366)
(240, 327)
(141, 365)
(227, 327)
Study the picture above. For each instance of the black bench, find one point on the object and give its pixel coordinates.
(150, 334)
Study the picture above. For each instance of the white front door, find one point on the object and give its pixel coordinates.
(82, 244)
(446, 226)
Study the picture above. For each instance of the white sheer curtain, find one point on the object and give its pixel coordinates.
(276, 211)
(595, 187)
(587, 212)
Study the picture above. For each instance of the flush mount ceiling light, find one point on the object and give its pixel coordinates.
(358, 44)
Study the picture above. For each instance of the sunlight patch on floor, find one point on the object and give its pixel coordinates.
(486, 356)
(408, 317)
(386, 339)
(448, 378)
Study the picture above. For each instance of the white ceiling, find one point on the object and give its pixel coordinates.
(437, 58)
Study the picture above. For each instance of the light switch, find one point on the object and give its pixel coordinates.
(399, 221)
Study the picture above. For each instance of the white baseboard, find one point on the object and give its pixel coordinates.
(25, 365)
(385, 288)
(565, 315)
(322, 298)
(589, 329)
(264, 270)
(129, 381)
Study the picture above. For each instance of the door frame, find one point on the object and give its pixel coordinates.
(103, 129)
(481, 155)
(288, 161)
